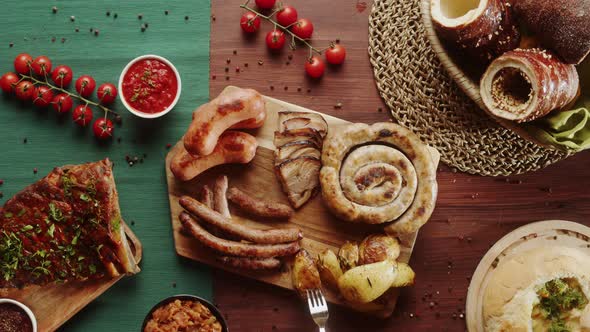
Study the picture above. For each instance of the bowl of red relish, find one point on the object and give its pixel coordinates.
(16, 317)
(150, 86)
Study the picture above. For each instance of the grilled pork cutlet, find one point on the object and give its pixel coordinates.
(65, 227)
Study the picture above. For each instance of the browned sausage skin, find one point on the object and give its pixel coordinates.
(250, 263)
(234, 248)
(258, 208)
(219, 196)
(270, 236)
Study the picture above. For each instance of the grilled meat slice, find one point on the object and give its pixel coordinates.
(299, 178)
(294, 135)
(299, 120)
(296, 149)
(67, 226)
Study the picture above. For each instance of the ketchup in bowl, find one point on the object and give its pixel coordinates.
(149, 85)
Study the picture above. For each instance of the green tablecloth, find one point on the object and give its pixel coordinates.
(31, 25)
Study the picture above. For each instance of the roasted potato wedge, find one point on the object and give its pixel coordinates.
(329, 268)
(365, 283)
(348, 255)
(405, 275)
(377, 248)
(305, 273)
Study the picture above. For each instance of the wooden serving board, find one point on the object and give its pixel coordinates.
(321, 230)
(465, 82)
(55, 304)
(534, 235)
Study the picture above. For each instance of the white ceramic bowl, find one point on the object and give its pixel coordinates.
(25, 308)
(142, 114)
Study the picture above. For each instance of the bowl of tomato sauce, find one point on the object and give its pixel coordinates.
(150, 86)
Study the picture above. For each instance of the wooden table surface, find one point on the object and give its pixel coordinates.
(472, 212)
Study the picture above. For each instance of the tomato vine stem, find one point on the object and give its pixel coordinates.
(53, 87)
(286, 29)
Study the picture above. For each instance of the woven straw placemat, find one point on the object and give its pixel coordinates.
(425, 99)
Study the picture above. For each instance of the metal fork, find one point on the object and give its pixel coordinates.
(318, 308)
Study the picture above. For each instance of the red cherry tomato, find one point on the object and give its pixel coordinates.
(250, 22)
(62, 103)
(22, 63)
(315, 67)
(287, 16)
(303, 28)
(42, 96)
(106, 93)
(24, 90)
(85, 85)
(275, 40)
(335, 54)
(265, 4)
(62, 75)
(8, 82)
(82, 115)
(41, 65)
(103, 128)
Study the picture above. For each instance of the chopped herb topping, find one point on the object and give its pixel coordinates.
(556, 299)
(85, 198)
(51, 230)
(21, 212)
(55, 213)
(26, 228)
(11, 254)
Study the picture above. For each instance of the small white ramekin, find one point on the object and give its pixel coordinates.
(25, 308)
(142, 114)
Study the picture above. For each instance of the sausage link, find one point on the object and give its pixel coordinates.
(249, 263)
(258, 208)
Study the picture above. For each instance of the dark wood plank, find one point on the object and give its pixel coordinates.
(472, 212)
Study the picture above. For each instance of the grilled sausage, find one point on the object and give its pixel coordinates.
(257, 207)
(249, 263)
(212, 119)
(270, 236)
(234, 248)
(232, 147)
(219, 198)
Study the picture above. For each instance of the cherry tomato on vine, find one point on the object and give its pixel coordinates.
(62, 103)
(85, 85)
(335, 54)
(106, 93)
(82, 115)
(22, 63)
(315, 67)
(103, 128)
(265, 4)
(8, 82)
(287, 16)
(62, 75)
(41, 65)
(275, 40)
(42, 96)
(250, 22)
(24, 90)
(303, 28)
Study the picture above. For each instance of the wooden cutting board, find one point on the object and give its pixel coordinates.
(55, 304)
(321, 230)
(534, 235)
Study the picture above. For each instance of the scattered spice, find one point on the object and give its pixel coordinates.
(298, 89)
(1, 194)
(11, 45)
(168, 146)
(286, 88)
(108, 13)
(226, 69)
(272, 87)
(235, 52)
(77, 30)
(35, 170)
(25, 140)
(308, 90)
(63, 40)
(186, 18)
(96, 32)
(72, 18)
(380, 110)
(139, 16)
(174, 284)
(213, 77)
(227, 78)
(54, 9)
(290, 56)
(246, 65)
(228, 60)
(338, 105)
(132, 222)
(53, 39)
(115, 15)
(237, 69)
(213, 17)
(1, 182)
(260, 62)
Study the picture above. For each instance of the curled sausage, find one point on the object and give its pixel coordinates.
(249, 263)
(234, 248)
(219, 198)
(270, 236)
(212, 119)
(233, 147)
(257, 207)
